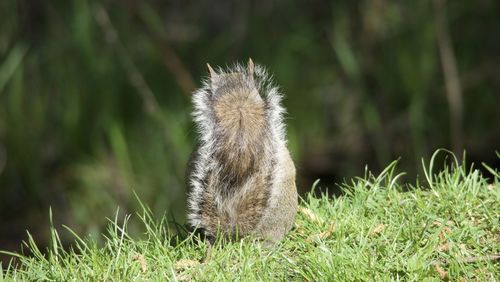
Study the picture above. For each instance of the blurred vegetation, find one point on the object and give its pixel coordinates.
(95, 95)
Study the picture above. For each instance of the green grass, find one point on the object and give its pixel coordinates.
(378, 230)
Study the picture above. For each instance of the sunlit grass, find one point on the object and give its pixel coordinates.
(380, 229)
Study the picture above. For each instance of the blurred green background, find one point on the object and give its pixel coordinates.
(95, 95)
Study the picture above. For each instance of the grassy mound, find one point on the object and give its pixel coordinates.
(447, 228)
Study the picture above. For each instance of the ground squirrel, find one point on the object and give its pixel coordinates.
(241, 177)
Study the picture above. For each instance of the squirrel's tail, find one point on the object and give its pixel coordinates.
(241, 130)
(238, 114)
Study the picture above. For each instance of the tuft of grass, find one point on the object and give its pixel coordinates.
(379, 229)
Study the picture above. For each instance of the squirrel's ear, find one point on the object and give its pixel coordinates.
(212, 74)
(250, 67)
(211, 71)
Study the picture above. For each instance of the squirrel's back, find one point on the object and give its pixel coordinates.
(237, 173)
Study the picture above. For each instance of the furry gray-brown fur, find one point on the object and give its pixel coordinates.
(241, 177)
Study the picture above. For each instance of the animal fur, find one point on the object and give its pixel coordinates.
(241, 177)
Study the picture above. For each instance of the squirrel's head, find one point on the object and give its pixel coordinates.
(236, 84)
